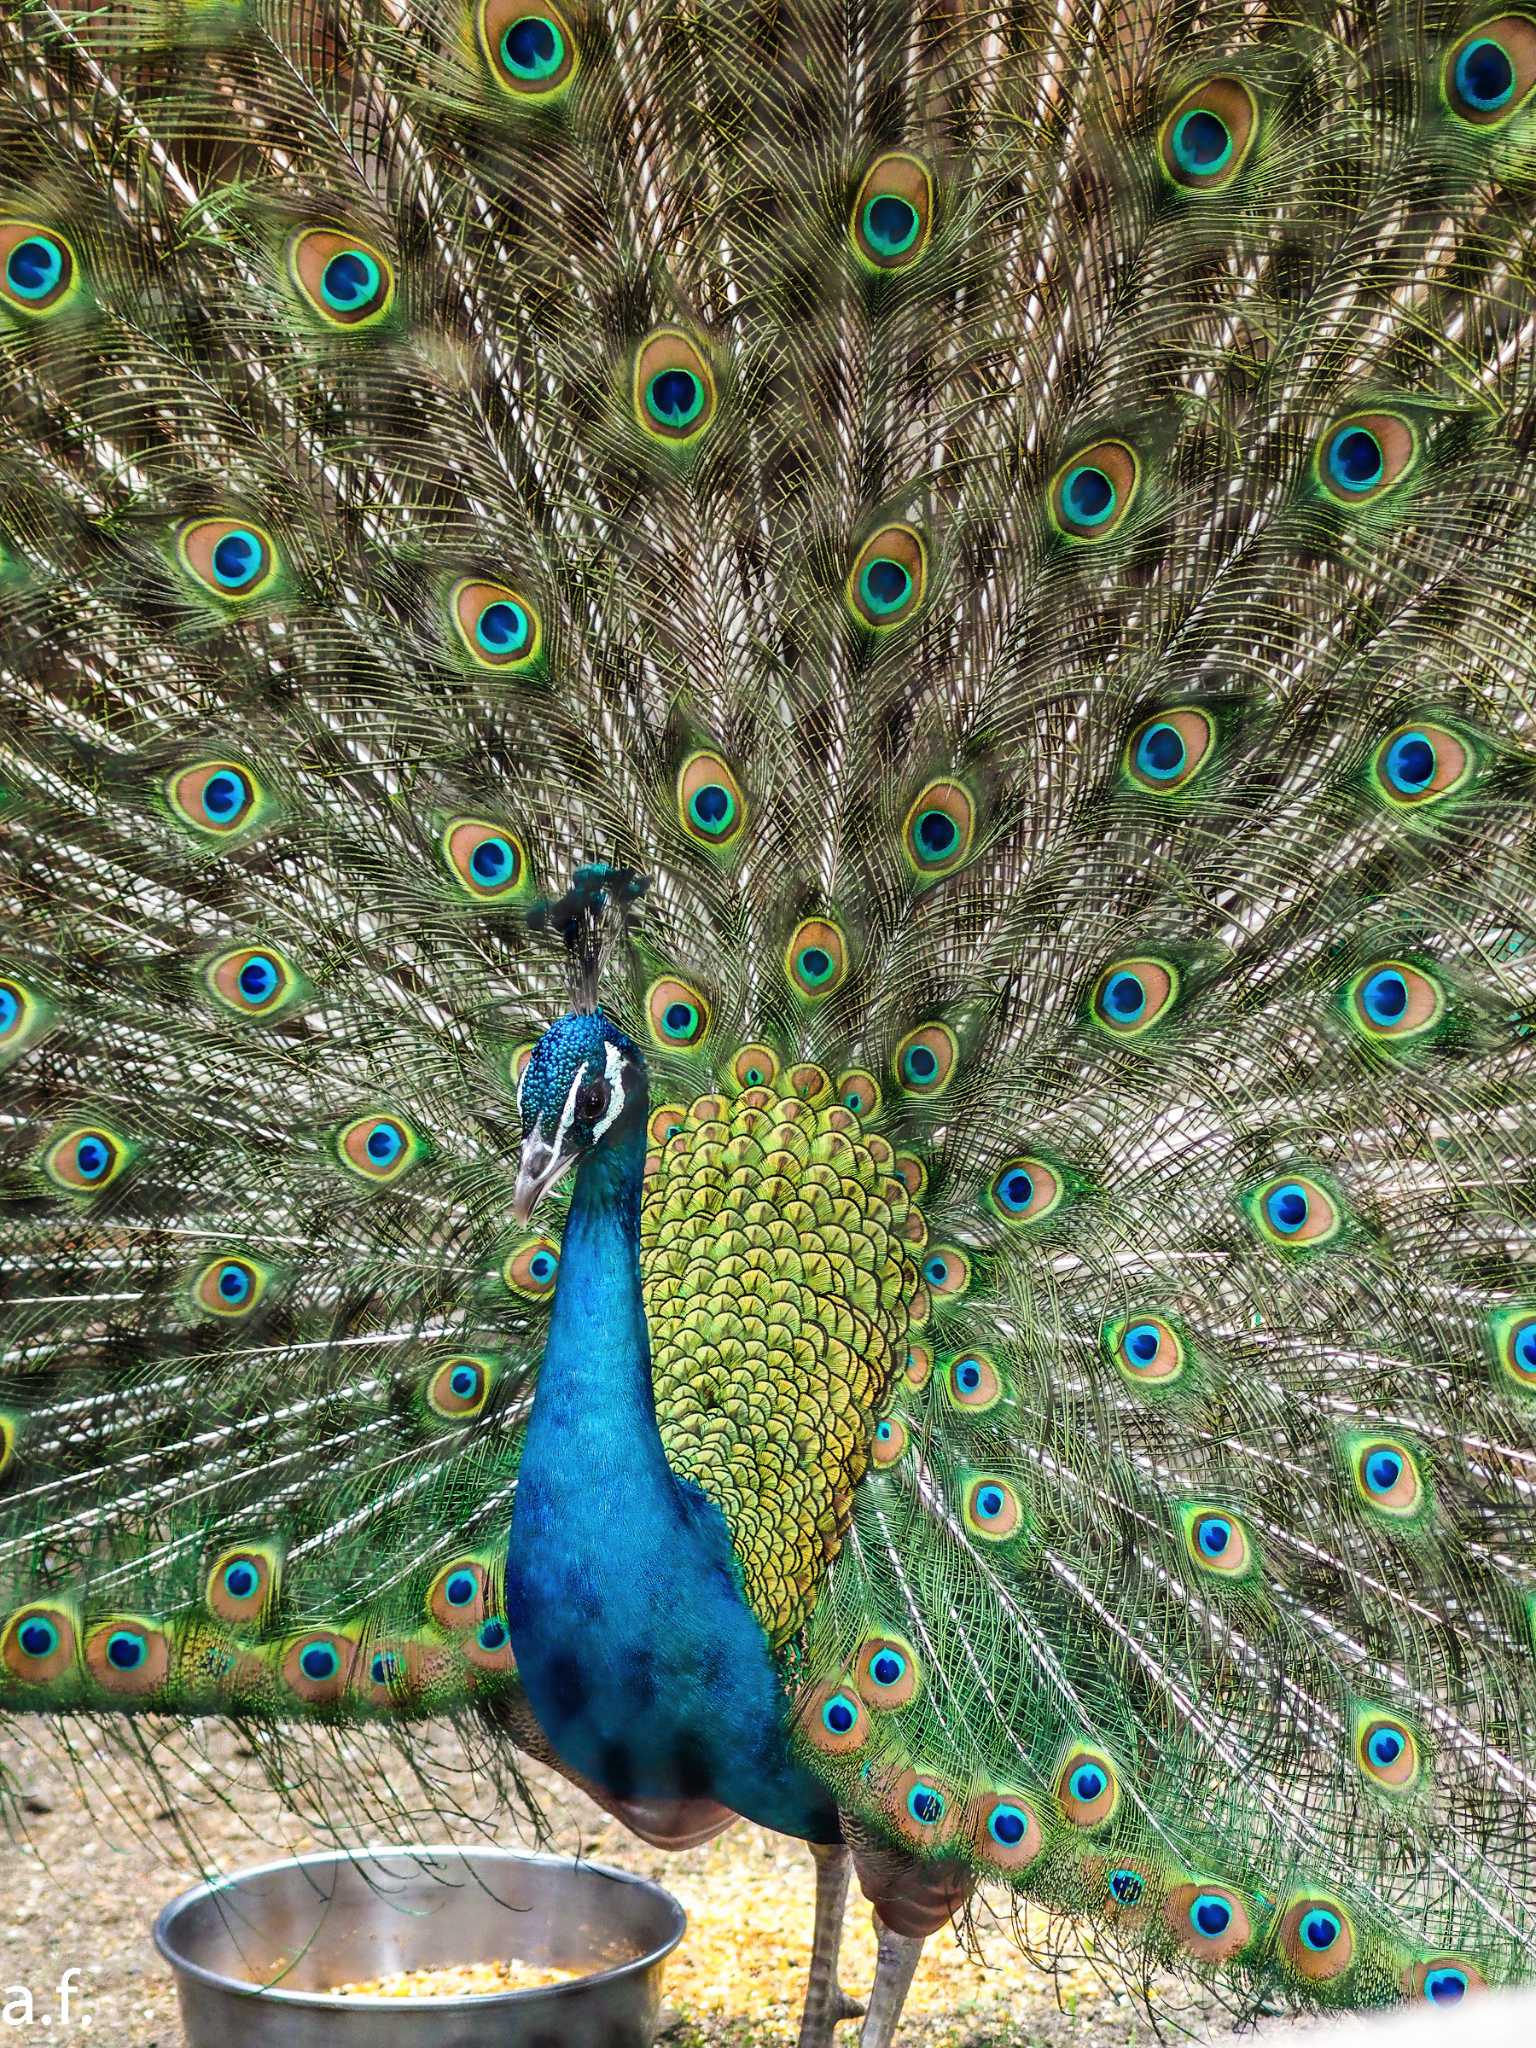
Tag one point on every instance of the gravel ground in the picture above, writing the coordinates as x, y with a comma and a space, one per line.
98, 1853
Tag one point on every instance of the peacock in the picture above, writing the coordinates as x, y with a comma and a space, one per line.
766, 1000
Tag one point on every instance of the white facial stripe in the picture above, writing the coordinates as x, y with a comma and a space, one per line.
615, 1069
568, 1114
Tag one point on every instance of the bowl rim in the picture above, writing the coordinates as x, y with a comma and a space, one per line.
242, 1987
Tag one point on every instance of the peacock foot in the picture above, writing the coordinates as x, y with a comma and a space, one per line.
827, 2005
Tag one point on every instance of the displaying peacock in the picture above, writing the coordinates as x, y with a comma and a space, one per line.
880, 652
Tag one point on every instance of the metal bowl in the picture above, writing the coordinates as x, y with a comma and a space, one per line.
254, 1953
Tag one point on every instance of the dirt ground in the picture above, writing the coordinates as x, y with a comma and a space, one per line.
99, 1852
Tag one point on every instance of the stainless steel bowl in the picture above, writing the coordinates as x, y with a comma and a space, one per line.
253, 1953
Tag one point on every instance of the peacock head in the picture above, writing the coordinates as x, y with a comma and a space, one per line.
583, 1085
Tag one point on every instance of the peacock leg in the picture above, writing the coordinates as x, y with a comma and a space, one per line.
894, 1964
825, 2000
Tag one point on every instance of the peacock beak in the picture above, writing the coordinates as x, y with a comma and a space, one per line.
538, 1170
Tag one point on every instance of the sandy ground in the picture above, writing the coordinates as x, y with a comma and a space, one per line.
99, 1852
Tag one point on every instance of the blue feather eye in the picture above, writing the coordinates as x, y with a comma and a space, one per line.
252, 981
1364, 455
1208, 1920
1087, 1790
1294, 1212
1387, 1751
991, 1509
487, 860
710, 804
1027, 1190
1092, 492
37, 1643
1130, 996
1513, 1331
816, 958
1127, 1887
1489, 73
888, 579
1395, 1000
972, 1381
378, 1148
343, 279
460, 1387
242, 1583
678, 1014
497, 627
458, 1598
37, 268
531, 52
1443, 1980
232, 559
1317, 1939
315, 1667
1166, 751
86, 1159
940, 826
1205, 140
924, 1061
1217, 1541
1420, 763
1387, 1476
531, 1270
892, 214
674, 394
926, 1804
886, 1672
229, 1286
1146, 1349
946, 1272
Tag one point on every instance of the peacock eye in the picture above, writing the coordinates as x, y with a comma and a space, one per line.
886, 583
531, 51
1489, 73
592, 1101
37, 268
1206, 138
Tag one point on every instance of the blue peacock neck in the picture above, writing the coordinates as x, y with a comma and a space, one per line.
641, 1659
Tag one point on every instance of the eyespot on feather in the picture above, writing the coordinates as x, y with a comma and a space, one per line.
242, 1584
940, 828
1294, 1212
889, 1442
1419, 763
918, 1367
232, 559
347, 282
755, 1066
946, 1271
832, 1718
214, 797
128, 1655
1512, 1331
710, 804
317, 1666
1489, 72
86, 1159
886, 1672
674, 394
378, 1147
816, 958
252, 981
1387, 1750
1005, 1829
1087, 1788
1317, 1938
39, 272
460, 1387
37, 1644
923, 1809
531, 53
1167, 751
892, 214
859, 1092
912, 1174
22, 1016
1093, 490
924, 1061
1025, 1190
1133, 994
530, 1269
1394, 1000
889, 578
229, 1286
991, 1509
459, 1596
1146, 1349
1217, 1542
1363, 455
1443, 1980
1387, 1476
678, 1014
1205, 140
497, 627
1208, 1921
10, 1431
972, 1381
